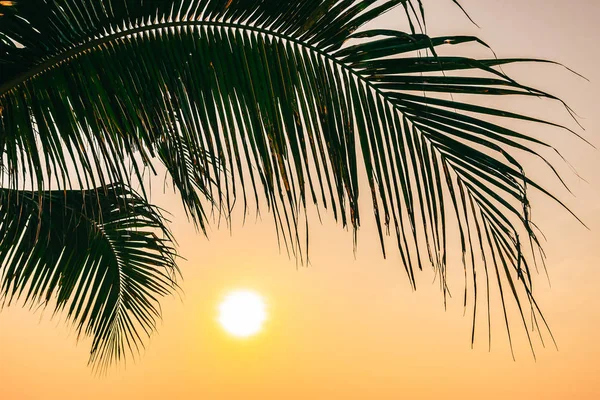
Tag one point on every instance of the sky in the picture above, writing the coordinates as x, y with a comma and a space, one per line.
349, 326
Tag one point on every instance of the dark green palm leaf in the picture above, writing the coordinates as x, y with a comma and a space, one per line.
104, 255
279, 98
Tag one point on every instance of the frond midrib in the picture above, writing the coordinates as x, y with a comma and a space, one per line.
95, 226
83, 48
116, 261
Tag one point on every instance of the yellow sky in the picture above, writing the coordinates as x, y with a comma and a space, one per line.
350, 327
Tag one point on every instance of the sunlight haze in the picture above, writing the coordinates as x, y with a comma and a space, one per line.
348, 325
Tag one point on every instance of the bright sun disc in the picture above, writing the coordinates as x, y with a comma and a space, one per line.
242, 313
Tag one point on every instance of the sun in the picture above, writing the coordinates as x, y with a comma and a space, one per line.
242, 313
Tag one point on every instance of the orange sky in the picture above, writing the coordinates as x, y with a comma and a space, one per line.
350, 327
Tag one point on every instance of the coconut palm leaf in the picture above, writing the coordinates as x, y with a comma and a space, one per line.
97, 253
284, 100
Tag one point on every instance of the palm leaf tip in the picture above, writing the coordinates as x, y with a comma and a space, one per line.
286, 100
104, 255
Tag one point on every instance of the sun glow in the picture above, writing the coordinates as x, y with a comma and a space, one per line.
242, 313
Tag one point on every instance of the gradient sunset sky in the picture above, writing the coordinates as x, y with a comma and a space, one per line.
349, 326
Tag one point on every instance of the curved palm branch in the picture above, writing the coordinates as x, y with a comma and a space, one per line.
285, 98
97, 252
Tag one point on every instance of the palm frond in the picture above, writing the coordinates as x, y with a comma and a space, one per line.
104, 255
283, 99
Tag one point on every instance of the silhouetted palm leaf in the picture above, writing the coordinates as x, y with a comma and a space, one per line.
282, 97
97, 253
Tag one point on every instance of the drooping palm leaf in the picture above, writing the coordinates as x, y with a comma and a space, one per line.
285, 98
104, 255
